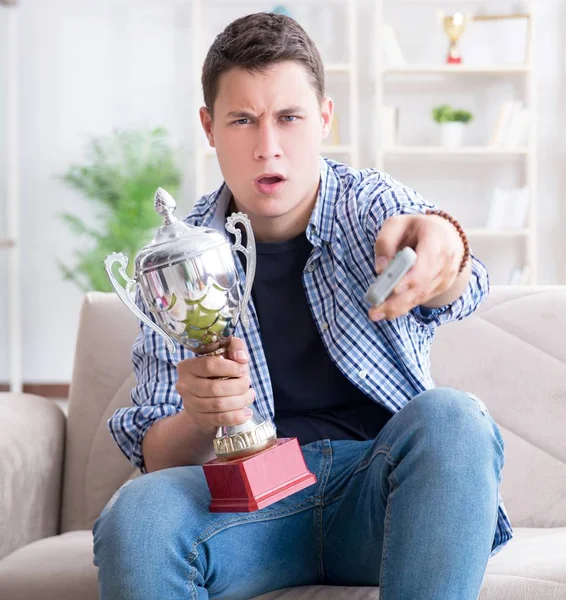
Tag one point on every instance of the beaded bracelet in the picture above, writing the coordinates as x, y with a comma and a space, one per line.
463, 236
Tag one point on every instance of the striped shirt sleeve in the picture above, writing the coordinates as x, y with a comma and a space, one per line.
476, 292
154, 396
386, 197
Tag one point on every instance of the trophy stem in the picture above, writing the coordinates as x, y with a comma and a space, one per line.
247, 439
454, 56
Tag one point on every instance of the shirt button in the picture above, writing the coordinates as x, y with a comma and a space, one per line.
311, 268
363, 374
325, 327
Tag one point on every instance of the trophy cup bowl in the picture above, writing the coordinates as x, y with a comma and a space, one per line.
188, 280
454, 26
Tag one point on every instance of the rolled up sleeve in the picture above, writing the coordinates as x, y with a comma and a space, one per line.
154, 397
476, 292
382, 197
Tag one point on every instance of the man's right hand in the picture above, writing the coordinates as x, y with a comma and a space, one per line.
211, 402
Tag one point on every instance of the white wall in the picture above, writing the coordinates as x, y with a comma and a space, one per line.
87, 67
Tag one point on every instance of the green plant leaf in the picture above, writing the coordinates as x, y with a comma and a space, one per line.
444, 113
119, 177
462, 116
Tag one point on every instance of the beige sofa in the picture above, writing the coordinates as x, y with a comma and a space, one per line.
56, 474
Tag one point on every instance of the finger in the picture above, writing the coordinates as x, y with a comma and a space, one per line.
400, 303
210, 366
214, 388
237, 350
224, 419
222, 404
390, 240
422, 279
394, 307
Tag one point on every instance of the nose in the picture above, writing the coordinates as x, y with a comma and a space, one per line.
267, 144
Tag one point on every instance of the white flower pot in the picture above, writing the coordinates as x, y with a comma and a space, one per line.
452, 134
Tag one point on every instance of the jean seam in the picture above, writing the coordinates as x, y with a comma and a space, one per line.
192, 576
257, 518
318, 512
386, 532
384, 449
211, 532
325, 473
381, 449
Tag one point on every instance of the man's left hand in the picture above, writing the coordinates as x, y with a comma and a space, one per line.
439, 254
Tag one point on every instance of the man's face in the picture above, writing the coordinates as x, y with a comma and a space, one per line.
267, 130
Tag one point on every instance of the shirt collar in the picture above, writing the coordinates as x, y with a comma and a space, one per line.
321, 221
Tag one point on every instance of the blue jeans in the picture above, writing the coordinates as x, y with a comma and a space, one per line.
413, 511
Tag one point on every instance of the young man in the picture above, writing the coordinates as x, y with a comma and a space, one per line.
407, 474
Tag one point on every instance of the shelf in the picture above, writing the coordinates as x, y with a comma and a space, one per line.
456, 69
451, 152
497, 233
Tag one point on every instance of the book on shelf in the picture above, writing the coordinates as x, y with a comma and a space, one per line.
519, 275
508, 208
392, 54
512, 126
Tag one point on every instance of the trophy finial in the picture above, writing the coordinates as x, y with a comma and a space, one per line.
165, 205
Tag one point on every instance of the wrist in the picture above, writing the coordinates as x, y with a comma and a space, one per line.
194, 428
457, 228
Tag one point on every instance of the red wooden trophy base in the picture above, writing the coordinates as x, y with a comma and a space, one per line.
253, 482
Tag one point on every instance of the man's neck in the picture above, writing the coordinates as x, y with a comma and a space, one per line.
283, 228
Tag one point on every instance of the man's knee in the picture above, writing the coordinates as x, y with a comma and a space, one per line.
455, 423
157, 504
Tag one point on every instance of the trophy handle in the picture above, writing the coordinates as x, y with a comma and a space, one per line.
249, 251
126, 295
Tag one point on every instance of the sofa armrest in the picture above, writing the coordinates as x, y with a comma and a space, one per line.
32, 437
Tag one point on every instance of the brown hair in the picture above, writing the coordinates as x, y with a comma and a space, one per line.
255, 43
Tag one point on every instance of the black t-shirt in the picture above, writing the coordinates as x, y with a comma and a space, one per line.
313, 399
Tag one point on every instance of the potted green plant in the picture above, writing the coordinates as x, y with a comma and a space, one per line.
452, 124
120, 177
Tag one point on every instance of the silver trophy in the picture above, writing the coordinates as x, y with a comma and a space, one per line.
188, 280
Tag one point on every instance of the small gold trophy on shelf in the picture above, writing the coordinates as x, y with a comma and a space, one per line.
454, 26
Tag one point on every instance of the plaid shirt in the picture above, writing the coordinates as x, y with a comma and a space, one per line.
389, 360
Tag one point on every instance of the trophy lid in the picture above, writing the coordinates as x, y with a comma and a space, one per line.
175, 240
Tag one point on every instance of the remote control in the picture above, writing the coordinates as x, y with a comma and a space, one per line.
385, 283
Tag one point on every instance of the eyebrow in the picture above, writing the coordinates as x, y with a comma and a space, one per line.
242, 114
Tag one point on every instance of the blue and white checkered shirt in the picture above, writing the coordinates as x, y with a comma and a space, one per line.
388, 361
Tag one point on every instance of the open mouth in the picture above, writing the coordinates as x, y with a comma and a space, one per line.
269, 184
269, 180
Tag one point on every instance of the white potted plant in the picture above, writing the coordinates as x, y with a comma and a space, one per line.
452, 124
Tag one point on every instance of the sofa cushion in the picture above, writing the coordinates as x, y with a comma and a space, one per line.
102, 379
510, 353
531, 567
54, 568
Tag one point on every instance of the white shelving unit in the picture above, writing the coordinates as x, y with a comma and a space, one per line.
526, 158
350, 150
9, 190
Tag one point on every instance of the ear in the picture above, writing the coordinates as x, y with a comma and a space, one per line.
326, 112
206, 122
